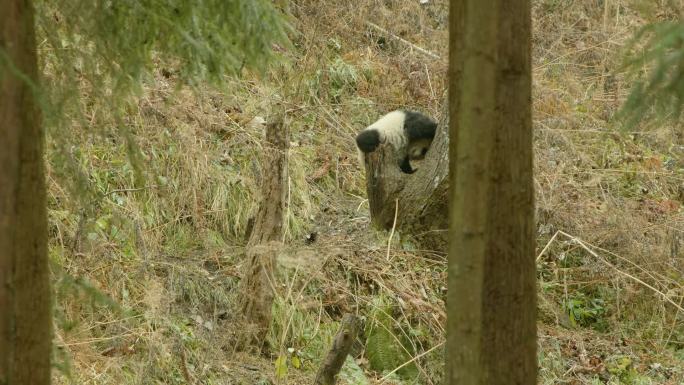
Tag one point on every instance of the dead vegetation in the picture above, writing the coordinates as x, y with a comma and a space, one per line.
147, 275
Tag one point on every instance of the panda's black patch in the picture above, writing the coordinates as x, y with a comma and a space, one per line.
368, 140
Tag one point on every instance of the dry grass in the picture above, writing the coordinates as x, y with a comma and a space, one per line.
169, 253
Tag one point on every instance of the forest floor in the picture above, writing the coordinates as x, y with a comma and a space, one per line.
145, 275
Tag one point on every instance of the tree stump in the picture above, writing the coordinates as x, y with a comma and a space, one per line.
256, 286
342, 344
422, 197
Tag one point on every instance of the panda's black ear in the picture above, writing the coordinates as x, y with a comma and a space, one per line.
368, 140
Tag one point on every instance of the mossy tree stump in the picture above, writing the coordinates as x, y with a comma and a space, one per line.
265, 241
419, 199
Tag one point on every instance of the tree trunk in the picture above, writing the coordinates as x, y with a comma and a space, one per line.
492, 296
25, 313
256, 287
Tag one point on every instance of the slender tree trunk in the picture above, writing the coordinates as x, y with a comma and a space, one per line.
25, 316
491, 299
256, 287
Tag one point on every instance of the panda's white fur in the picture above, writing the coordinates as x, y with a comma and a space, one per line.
391, 130
410, 134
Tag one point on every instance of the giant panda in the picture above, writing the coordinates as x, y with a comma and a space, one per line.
409, 132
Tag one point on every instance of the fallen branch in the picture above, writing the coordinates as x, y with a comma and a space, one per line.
404, 41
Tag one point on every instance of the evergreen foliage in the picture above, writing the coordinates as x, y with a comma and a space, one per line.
115, 40
658, 68
96, 56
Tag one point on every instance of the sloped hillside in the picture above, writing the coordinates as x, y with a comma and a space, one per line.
146, 274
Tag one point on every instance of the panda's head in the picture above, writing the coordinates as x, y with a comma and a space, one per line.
417, 149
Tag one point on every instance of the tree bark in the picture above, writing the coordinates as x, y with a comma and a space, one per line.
256, 287
333, 362
492, 296
25, 313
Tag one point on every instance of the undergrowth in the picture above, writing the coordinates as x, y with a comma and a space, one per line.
146, 273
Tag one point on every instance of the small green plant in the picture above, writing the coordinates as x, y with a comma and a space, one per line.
586, 311
570, 259
623, 368
385, 347
343, 78
352, 373
285, 360
281, 367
